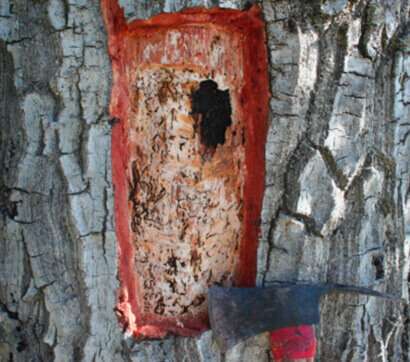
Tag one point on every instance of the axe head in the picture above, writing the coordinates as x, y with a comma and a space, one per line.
239, 313
236, 314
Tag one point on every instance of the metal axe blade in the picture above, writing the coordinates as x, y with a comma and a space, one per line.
239, 313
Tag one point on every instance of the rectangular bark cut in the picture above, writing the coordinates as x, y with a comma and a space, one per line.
190, 91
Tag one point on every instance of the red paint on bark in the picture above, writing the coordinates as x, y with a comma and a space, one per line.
146, 45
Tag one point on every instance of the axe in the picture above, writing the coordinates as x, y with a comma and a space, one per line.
236, 314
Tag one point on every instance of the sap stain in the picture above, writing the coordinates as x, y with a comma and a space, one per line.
214, 107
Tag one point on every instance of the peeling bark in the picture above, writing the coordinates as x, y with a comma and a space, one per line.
337, 187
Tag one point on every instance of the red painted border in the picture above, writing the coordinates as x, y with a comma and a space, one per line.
254, 98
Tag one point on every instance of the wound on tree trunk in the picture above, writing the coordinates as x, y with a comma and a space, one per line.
191, 94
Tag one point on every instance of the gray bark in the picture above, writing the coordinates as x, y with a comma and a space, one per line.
337, 199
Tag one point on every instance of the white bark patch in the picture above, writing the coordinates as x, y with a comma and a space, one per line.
232, 4
332, 7
314, 201
295, 255
73, 172
38, 114
57, 14
338, 211
308, 60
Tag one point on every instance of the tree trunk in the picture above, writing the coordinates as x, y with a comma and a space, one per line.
337, 190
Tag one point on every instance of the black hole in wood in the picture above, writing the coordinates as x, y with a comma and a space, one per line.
378, 262
215, 109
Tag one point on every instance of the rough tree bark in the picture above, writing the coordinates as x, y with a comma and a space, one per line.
337, 198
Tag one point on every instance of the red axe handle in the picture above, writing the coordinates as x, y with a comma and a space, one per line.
294, 344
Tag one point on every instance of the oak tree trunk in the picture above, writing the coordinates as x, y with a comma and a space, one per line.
337, 196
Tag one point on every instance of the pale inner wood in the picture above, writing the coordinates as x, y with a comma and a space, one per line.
186, 202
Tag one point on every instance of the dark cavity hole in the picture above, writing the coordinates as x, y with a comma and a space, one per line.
214, 107
378, 262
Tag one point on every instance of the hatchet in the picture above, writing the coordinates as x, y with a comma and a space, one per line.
239, 313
